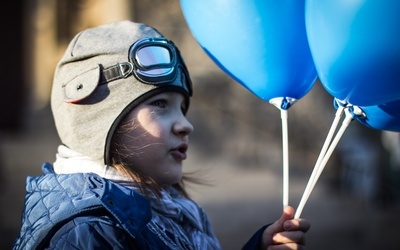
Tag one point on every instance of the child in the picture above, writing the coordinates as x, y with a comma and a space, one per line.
119, 99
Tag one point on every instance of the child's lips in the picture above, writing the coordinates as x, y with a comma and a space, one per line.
179, 153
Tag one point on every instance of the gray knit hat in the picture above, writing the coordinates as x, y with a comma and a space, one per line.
96, 84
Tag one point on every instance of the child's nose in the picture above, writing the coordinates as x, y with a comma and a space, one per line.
182, 126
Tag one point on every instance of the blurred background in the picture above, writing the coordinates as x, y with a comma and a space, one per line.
236, 149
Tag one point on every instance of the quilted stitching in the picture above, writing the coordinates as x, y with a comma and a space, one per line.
53, 199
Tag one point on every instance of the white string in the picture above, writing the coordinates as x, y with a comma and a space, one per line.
324, 155
285, 147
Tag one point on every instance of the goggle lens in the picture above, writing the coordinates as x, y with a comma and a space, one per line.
154, 60
152, 55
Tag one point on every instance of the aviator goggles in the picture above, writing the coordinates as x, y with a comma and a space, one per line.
154, 61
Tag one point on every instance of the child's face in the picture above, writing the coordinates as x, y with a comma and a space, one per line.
156, 137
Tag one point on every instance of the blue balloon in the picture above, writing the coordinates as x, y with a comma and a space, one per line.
356, 48
261, 44
382, 117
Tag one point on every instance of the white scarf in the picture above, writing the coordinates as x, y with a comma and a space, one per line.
178, 221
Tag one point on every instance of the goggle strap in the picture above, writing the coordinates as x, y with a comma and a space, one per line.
118, 71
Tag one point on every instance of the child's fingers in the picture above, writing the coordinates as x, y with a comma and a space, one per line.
298, 224
289, 246
289, 237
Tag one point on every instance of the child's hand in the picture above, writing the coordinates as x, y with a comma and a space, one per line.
285, 233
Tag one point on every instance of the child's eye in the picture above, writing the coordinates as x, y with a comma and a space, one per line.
159, 103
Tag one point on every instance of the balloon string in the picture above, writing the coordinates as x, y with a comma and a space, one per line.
285, 147
324, 155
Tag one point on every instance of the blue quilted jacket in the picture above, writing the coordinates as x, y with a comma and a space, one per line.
61, 210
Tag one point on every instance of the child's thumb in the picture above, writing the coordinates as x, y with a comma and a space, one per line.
278, 226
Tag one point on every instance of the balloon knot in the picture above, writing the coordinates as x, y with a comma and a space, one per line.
283, 103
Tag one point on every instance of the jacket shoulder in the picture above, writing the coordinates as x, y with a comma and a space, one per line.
93, 232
